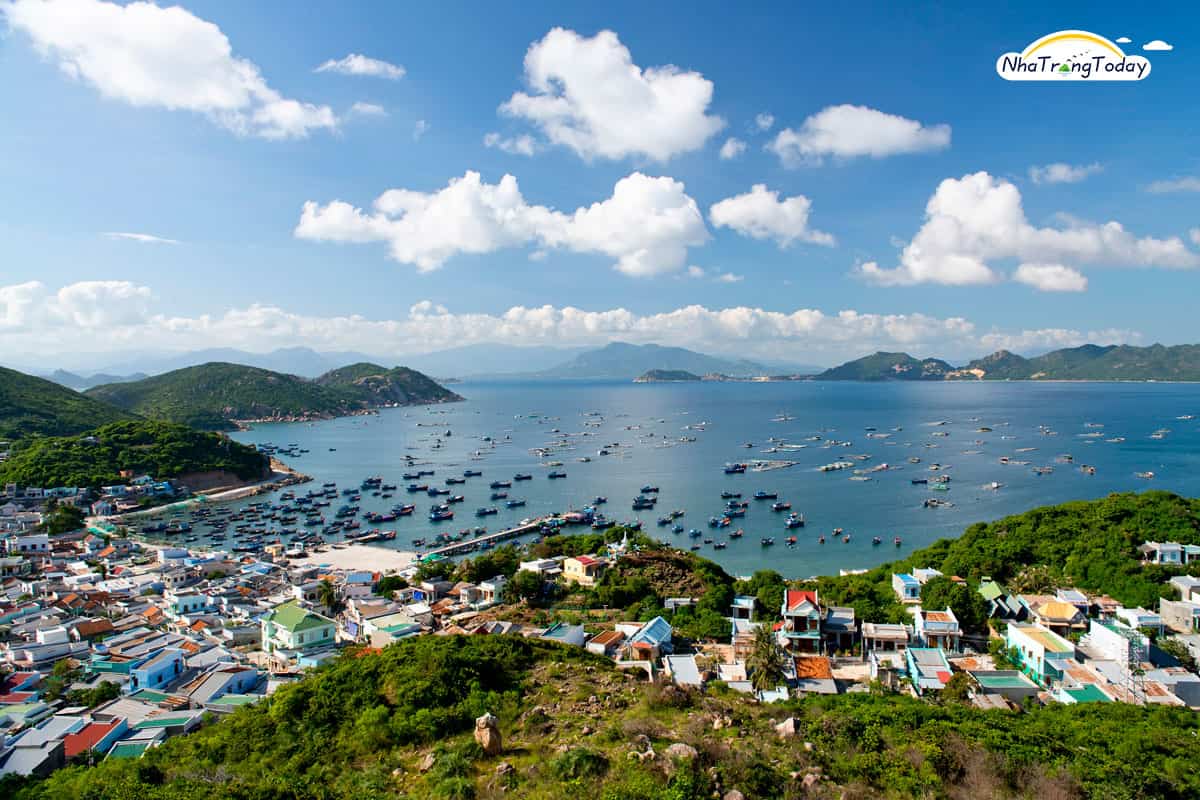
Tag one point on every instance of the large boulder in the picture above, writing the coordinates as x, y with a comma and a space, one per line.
487, 733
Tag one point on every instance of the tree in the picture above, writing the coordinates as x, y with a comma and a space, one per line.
389, 584
525, 586
957, 689
768, 587
329, 597
967, 604
766, 661
61, 518
62, 675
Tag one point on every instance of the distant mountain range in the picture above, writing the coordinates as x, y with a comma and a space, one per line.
1086, 363
214, 396
477, 361
625, 361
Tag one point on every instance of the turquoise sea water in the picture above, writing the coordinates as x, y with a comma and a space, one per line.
647, 421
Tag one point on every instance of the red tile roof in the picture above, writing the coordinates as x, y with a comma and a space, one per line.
796, 598
87, 738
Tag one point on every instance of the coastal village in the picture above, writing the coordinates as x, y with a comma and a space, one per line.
111, 644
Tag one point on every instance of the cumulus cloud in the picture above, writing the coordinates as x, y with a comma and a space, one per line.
1185, 184
523, 145
760, 214
1051, 278
1063, 173
35, 319
647, 224
1123, 40
732, 148
586, 94
977, 219
1157, 45
368, 110
764, 121
729, 277
720, 277
141, 238
848, 131
1194, 234
153, 57
356, 64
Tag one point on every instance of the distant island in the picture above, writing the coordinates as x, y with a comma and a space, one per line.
666, 376
220, 396
1086, 363
620, 360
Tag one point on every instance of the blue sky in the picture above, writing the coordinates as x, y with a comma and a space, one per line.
94, 146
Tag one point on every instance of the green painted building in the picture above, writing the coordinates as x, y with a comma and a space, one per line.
294, 628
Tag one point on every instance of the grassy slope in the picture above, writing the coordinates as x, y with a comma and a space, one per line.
32, 406
361, 728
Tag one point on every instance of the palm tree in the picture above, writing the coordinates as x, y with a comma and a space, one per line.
328, 595
766, 660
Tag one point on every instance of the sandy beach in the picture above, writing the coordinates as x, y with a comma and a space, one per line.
360, 557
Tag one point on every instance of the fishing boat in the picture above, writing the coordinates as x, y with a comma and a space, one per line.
649, 489
794, 520
676, 529
515, 503
876, 541
739, 533
791, 540
471, 473
483, 512
599, 501
767, 541
664, 521
735, 469
919, 481
440, 513
730, 495
897, 541
720, 545
499, 495
500, 485
1144, 475
782, 505
555, 475
522, 476
761, 495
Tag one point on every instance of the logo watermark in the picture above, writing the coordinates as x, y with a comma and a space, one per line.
1072, 56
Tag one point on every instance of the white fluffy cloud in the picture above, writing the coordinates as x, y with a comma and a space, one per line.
85, 306
1063, 173
140, 238
148, 56
1051, 278
37, 320
1194, 235
647, 224
586, 94
1157, 45
732, 148
760, 214
368, 110
1185, 184
522, 145
356, 64
764, 121
977, 219
848, 131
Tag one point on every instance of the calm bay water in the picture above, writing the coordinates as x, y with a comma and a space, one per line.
647, 421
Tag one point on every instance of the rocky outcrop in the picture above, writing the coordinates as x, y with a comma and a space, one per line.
487, 734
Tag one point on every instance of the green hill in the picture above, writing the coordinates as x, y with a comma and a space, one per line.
32, 406
375, 385
398, 724
212, 396
888, 367
666, 376
1088, 362
161, 449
